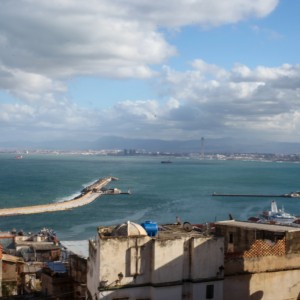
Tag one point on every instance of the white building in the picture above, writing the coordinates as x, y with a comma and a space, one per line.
178, 263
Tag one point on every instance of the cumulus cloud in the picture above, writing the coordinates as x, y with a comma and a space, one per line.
107, 38
262, 100
210, 101
179, 13
259, 101
31, 123
29, 87
75, 37
45, 43
205, 101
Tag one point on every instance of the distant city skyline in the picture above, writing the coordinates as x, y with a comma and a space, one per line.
115, 145
171, 71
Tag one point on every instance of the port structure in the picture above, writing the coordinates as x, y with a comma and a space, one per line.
88, 195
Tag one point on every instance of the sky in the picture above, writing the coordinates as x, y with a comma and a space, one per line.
169, 70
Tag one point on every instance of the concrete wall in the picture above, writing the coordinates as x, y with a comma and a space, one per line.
280, 285
138, 293
1, 273
167, 261
262, 264
93, 268
9, 271
199, 290
148, 292
78, 273
195, 291
111, 256
293, 242
207, 258
175, 268
78, 268
130, 256
59, 287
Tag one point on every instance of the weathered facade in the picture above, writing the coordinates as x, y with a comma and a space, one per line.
1, 255
21, 259
40, 247
10, 274
7, 245
7, 241
38, 251
75, 254
175, 264
78, 274
30, 278
260, 259
56, 282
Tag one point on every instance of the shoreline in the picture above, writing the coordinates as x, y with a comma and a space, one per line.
88, 195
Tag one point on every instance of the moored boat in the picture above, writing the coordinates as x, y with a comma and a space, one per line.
275, 216
166, 162
293, 195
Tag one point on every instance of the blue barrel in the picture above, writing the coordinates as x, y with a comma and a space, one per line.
150, 227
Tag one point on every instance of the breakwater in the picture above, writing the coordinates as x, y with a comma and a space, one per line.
88, 195
255, 195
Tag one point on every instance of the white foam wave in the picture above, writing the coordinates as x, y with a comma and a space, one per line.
72, 196
89, 183
67, 198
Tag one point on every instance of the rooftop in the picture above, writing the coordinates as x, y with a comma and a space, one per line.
37, 245
11, 258
129, 229
261, 226
80, 248
166, 231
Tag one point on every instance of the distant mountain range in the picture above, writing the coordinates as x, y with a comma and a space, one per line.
224, 145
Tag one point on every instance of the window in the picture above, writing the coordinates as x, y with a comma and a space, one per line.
210, 291
230, 238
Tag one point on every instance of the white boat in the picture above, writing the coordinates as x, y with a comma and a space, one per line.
278, 216
293, 195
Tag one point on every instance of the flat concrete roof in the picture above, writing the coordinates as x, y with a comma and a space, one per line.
80, 248
261, 226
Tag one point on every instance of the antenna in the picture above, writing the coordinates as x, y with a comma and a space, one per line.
202, 148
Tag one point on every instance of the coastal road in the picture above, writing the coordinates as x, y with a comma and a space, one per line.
88, 195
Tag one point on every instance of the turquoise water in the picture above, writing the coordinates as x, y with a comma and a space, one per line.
160, 192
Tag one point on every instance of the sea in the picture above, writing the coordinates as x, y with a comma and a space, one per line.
159, 192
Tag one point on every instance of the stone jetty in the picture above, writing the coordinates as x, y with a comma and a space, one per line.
88, 195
